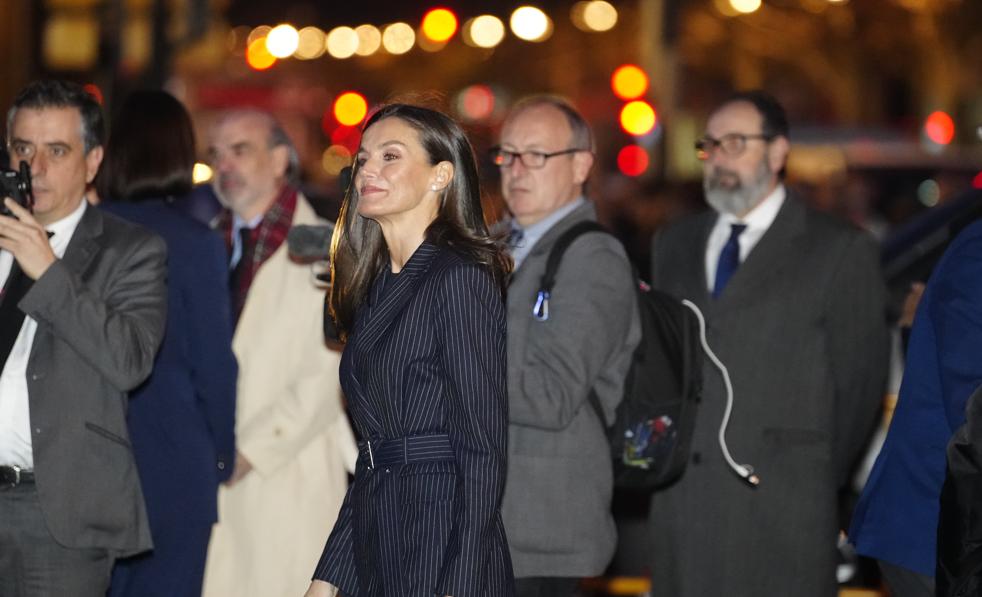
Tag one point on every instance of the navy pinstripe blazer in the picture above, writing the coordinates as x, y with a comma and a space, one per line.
426, 356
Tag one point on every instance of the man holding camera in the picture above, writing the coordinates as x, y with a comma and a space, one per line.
82, 313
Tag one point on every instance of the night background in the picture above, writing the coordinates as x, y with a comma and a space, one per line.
884, 96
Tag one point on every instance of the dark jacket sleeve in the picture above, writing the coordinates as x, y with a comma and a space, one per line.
959, 571
337, 561
858, 346
213, 367
470, 323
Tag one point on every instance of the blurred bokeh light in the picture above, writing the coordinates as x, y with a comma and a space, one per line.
335, 159
629, 82
369, 40
258, 57
342, 42
439, 24
530, 23
638, 118
311, 43
350, 108
599, 16
484, 31
398, 38
632, 160
939, 128
282, 41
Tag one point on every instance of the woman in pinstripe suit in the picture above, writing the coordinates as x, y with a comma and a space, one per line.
417, 294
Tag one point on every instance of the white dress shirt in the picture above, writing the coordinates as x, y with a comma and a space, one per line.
757, 221
15, 419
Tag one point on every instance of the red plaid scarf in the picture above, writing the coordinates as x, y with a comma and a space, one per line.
266, 238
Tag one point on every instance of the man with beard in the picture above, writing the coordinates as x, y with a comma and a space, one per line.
795, 308
293, 439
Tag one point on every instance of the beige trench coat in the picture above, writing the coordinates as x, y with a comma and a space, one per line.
291, 426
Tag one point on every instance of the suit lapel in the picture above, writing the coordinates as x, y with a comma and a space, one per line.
386, 303
768, 259
79, 254
694, 276
83, 246
383, 307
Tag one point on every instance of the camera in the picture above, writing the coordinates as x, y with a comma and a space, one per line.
16, 185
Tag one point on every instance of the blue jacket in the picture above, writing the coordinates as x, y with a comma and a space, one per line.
182, 419
896, 518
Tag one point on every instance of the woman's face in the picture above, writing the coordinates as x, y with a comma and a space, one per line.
395, 179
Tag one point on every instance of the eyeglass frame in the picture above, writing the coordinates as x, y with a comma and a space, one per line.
703, 153
497, 150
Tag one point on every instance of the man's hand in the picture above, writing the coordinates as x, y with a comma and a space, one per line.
241, 469
27, 240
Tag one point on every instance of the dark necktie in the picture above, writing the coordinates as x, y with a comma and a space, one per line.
729, 259
236, 282
11, 317
515, 238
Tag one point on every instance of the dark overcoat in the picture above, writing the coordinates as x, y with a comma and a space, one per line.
426, 357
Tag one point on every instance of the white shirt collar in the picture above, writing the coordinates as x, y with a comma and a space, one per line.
64, 229
762, 215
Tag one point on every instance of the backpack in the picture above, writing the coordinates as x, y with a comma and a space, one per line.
652, 432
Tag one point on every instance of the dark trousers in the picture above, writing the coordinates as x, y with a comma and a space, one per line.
906, 583
33, 564
547, 587
175, 567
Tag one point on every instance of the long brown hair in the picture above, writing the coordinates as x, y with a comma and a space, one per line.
358, 251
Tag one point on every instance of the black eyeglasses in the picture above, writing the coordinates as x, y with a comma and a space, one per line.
731, 144
530, 159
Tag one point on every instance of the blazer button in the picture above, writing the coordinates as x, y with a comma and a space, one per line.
221, 466
696, 458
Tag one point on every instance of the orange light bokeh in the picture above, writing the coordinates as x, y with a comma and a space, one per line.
350, 108
257, 56
629, 82
439, 24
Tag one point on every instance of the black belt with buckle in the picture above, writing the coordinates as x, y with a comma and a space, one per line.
12, 476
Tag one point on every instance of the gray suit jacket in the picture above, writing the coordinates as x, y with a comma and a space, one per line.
801, 327
100, 313
557, 495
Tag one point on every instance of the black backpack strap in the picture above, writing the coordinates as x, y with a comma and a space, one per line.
548, 280
541, 309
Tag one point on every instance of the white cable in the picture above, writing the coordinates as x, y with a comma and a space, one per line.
745, 471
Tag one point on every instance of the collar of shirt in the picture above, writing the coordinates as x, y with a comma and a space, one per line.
237, 225
64, 229
757, 221
534, 232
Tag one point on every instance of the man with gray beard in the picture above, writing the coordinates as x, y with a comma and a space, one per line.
795, 308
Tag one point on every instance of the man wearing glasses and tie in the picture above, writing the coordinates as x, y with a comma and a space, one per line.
556, 506
795, 305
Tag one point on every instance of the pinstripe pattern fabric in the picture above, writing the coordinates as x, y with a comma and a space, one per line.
426, 357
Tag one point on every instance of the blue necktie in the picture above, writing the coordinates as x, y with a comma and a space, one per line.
729, 259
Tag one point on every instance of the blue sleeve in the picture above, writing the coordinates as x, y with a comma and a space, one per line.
213, 367
956, 314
